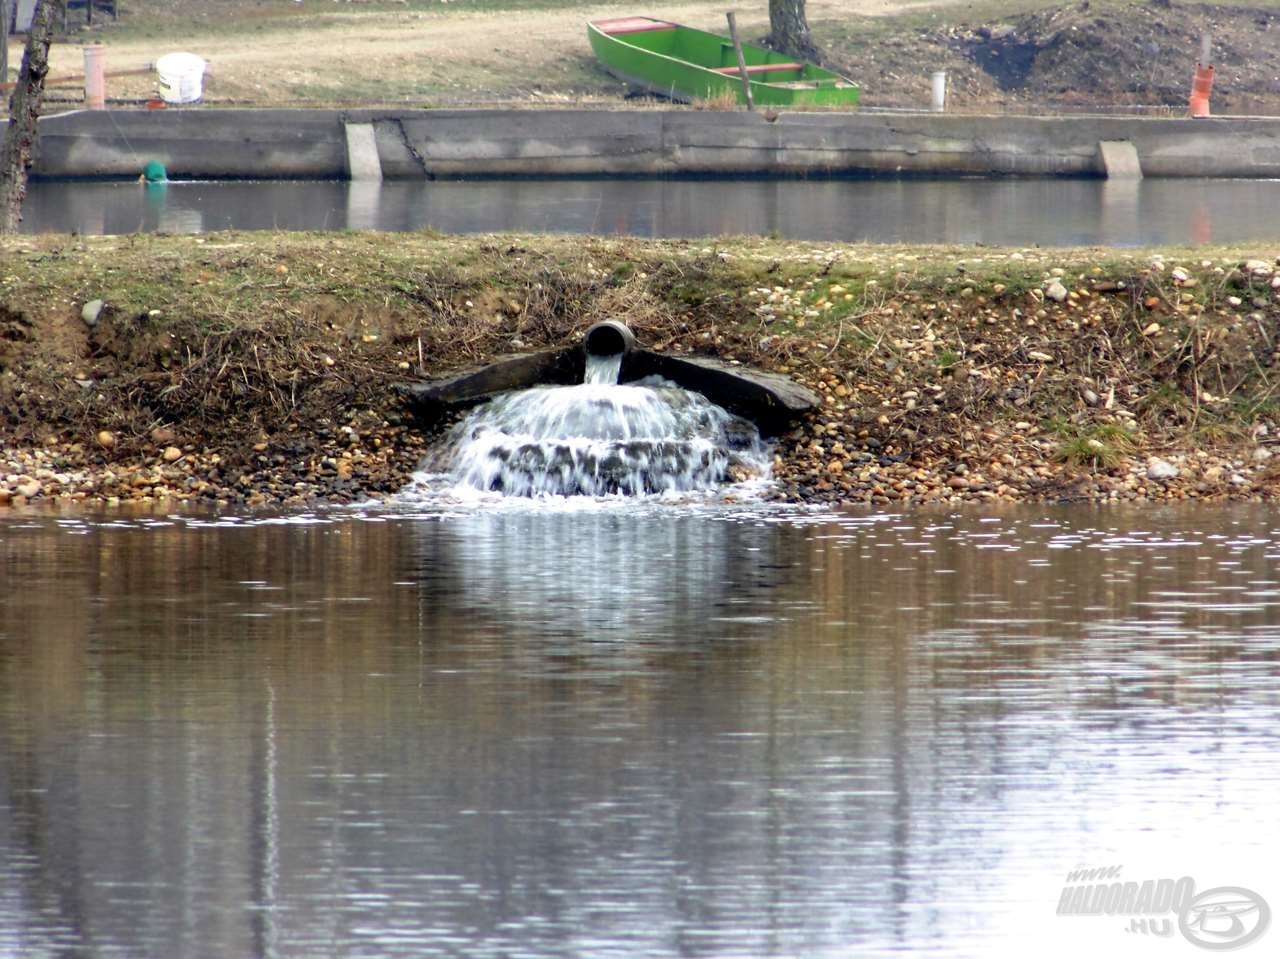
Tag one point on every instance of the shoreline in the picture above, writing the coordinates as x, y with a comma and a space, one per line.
260, 369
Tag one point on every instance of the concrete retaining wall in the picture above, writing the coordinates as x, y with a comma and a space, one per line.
200, 143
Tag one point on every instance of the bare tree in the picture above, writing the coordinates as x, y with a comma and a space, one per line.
789, 30
24, 110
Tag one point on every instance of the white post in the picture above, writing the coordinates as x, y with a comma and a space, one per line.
939, 91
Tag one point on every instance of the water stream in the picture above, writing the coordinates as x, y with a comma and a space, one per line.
601, 438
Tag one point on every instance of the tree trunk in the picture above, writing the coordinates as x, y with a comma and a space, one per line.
789, 31
6, 11
20, 137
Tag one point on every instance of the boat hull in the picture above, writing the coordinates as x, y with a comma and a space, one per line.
689, 65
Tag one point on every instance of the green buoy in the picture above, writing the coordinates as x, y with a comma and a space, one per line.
154, 172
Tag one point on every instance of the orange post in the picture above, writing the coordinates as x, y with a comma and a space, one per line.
95, 75
1201, 88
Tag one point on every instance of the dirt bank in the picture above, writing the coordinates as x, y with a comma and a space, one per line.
1013, 55
260, 368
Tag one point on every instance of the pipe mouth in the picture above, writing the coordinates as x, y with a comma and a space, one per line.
609, 338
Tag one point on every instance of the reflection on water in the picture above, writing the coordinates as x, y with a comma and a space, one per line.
620, 732
1018, 212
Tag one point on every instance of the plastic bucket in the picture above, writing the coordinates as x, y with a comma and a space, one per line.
181, 77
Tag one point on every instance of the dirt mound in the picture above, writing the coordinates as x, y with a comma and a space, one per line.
1140, 54
1088, 53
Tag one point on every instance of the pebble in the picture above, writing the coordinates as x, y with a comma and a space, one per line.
1056, 291
1159, 469
91, 312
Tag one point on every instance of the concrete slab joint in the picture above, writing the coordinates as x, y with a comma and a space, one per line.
362, 152
1119, 160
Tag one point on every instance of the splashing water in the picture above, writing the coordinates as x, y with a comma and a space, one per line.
602, 438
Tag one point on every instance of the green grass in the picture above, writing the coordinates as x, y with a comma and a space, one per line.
1095, 445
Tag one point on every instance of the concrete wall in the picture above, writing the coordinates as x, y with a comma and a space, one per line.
194, 144
206, 143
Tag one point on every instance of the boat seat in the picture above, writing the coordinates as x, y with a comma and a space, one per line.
762, 68
631, 25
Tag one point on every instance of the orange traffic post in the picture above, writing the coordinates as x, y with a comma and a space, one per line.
1201, 88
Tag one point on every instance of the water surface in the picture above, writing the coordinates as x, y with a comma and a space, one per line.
645, 731
1010, 212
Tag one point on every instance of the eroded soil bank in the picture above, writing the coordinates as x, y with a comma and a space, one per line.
254, 368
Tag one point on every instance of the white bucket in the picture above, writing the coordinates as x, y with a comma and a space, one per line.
181, 75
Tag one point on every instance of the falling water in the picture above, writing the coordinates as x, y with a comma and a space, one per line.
602, 437
603, 370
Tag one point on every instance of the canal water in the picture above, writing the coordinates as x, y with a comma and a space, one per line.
618, 730
1013, 212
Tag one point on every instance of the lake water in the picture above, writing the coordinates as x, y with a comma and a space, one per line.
643, 730
1013, 212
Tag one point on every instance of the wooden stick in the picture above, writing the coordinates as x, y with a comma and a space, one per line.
742, 61
79, 78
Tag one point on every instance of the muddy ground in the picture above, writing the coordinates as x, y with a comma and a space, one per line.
1014, 55
262, 368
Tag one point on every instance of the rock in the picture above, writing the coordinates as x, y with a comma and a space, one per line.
1258, 267
106, 439
1158, 469
1090, 397
1056, 292
171, 454
1262, 454
163, 436
91, 312
29, 489
1234, 301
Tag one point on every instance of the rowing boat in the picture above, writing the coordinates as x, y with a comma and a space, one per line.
686, 64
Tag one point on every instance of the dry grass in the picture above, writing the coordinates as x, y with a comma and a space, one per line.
722, 101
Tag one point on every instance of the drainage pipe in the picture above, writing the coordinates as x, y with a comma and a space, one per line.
609, 338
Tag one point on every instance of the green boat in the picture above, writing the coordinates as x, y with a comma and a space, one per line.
687, 64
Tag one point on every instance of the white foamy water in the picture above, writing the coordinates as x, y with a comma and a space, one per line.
600, 438
603, 370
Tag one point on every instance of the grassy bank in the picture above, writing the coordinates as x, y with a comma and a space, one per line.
253, 367
1011, 54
